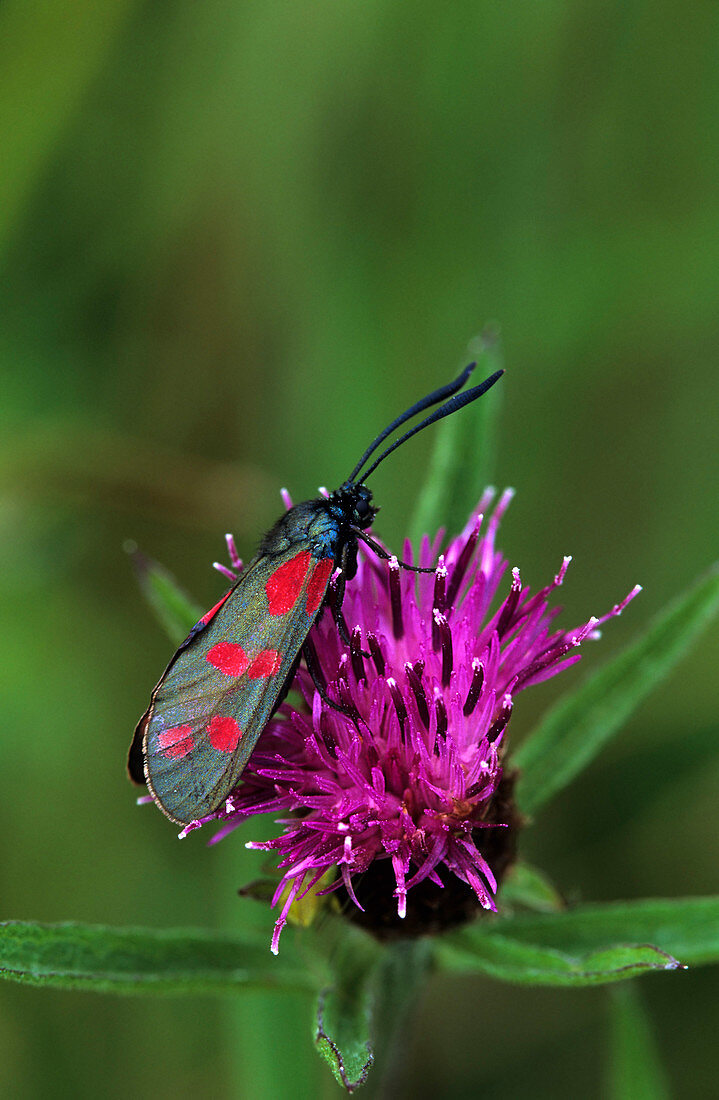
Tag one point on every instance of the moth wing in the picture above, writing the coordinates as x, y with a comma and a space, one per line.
224, 683
135, 757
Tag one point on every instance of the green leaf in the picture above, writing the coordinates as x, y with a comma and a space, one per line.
175, 611
590, 944
501, 956
463, 457
344, 1010
141, 961
530, 888
650, 775
635, 1069
361, 1015
580, 724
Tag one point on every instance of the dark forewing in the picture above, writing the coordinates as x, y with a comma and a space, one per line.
223, 684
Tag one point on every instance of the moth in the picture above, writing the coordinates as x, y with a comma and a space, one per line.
233, 670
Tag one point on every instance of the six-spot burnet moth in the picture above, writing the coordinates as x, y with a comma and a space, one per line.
234, 668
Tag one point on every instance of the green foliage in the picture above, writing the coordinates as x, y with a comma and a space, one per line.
344, 1011
141, 960
529, 888
175, 611
590, 944
635, 1067
231, 248
587, 945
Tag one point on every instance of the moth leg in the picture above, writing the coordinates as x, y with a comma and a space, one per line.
382, 553
349, 559
317, 677
335, 597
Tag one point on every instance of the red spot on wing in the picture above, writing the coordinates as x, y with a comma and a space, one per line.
224, 733
285, 584
213, 610
266, 663
318, 584
228, 657
176, 742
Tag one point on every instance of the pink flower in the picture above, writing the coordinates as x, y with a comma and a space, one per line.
409, 805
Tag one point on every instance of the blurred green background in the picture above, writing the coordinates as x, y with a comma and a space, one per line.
235, 239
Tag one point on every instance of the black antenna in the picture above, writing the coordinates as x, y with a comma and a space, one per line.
426, 403
458, 401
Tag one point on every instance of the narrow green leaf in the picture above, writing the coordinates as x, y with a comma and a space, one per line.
590, 944
175, 611
141, 960
344, 1010
635, 1069
502, 957
528, 887
650, 776
462, 461
580, 724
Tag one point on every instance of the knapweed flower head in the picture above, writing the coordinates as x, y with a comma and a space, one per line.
402, 795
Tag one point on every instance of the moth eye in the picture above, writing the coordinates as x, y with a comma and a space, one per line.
363, 506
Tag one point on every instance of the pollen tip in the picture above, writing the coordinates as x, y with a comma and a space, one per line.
559, 578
